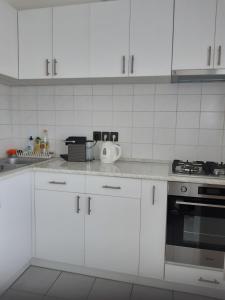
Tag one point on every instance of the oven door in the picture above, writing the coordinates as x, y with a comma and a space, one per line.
196, 231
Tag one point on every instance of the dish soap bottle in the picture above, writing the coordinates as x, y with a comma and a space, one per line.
37, 148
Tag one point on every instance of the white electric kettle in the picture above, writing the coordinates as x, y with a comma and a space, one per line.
110, 152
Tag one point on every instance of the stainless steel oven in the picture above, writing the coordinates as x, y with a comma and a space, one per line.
196, 224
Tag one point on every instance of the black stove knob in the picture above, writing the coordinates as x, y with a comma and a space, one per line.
183, 189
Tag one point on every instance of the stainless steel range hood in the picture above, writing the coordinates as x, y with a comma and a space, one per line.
201, 75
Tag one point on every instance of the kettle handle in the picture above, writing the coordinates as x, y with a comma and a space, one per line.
119, 152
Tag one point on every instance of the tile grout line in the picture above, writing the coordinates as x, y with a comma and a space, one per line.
46, 294
92, 287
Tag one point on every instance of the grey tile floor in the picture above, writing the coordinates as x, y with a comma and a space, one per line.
39, 283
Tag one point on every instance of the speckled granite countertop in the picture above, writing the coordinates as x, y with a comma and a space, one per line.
151, 170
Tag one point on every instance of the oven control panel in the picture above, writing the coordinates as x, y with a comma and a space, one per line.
196, 190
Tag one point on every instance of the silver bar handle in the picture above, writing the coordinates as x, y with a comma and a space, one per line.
89, 206
153, 195
132, 64
55, 67
199, 204
209, 281
47, 61
78, 204
111, 187
58, 182
123, 64
209, 56
219, 55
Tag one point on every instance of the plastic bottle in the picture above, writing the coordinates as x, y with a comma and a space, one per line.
37, 148
30, 145
45, 142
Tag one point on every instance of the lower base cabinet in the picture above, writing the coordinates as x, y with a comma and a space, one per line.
153, 229
59, 227
15, 227
112, 234
95, 231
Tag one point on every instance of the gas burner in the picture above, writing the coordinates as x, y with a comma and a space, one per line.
190, 168
217, 169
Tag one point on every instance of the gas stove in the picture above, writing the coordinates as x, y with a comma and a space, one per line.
200, 168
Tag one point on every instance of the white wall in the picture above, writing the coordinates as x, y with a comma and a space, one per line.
163, 121
5, 119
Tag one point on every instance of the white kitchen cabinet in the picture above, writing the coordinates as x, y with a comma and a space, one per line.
151, 37
194, 31
153, 228
59, 227
9, 40
112, 234
15, 227
71, 41
219, 59
35, 43
109, 38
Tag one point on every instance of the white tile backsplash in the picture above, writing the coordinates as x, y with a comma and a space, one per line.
162, 121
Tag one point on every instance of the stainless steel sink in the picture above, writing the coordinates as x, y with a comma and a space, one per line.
13, 164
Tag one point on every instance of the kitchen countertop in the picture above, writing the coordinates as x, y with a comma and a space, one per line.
152, 170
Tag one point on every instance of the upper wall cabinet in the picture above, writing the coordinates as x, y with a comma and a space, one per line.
109, 38
219, 61
9, 41
151, 37
71, 41
35, 43
194, 32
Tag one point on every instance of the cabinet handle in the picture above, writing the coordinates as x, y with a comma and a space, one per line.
111, 187
47, 67
123, 64
89, 206
57, 182
219, 55
209, 56
78, 204
132, 64
153, 195
209, 281
55, 67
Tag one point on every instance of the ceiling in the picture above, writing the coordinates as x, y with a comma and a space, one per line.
26, 4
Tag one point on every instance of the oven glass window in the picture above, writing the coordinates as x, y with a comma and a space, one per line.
194, 225
204, 230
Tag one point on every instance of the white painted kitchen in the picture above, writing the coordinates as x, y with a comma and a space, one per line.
112, 149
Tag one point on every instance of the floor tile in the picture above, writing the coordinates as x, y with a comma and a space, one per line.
16, 295
148, 293
185, 296
36, 280
72, 286
110, 290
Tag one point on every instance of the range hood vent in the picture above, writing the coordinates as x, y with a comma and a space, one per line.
200, 75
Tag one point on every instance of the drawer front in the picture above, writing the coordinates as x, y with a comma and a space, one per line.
114, 186
60, 182
195, 276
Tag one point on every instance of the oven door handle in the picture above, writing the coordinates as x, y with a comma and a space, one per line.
199, 204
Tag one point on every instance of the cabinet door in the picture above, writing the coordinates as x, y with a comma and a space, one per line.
35, 43
153, 229
9, 41
151, 37
15, 227
194, 29
219, 62
109, 38
59, 227
71, 40
112, 234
